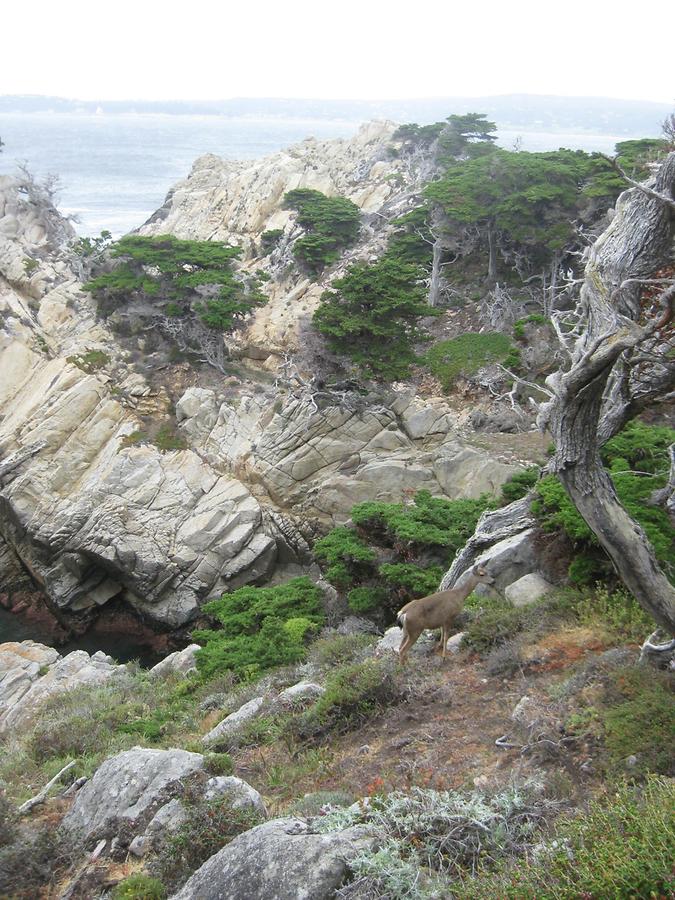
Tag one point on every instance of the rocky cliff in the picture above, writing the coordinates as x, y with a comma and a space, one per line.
89, 513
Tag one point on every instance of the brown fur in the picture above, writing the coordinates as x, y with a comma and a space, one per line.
438, 610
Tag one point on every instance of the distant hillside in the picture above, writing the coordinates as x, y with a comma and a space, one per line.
511, 111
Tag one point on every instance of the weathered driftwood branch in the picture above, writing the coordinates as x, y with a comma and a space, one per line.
42, 795
620, 364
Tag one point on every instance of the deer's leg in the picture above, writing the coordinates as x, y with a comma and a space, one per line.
409, 638
444, 639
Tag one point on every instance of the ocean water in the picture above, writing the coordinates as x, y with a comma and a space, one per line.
115, 170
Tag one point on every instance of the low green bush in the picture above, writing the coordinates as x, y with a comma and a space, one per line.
347, 556
426, 839
466, 354
331, 223
270, 239
638, 719
365, 599
622, 846
353, 695
519, 485
218, 763
139, 887
638, 461
338, 650
261, 628
533, 319
492, 622
91, 361
209, 826
428, 523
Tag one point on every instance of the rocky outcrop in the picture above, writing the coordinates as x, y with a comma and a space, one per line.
182, 662
236, 201
318, 456
283, 859
89, 515
31, 674
134, 798
92, 511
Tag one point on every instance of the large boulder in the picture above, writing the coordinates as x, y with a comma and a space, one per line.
182, 662
511, 558
528, 589
281, 859
126, 792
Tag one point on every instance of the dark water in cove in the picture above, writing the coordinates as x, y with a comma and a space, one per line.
115, 170
122, 648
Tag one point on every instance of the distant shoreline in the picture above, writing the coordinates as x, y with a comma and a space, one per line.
525, 112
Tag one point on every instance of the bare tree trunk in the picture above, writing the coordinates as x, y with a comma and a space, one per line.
492, 252
435, 283
619, 366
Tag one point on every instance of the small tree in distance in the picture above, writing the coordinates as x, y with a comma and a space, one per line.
370, 315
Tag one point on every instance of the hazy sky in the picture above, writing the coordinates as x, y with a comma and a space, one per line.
379, 49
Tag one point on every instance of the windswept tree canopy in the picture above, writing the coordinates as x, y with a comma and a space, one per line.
183, 278
620, 344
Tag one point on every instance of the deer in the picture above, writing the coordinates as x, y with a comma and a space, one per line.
437, 610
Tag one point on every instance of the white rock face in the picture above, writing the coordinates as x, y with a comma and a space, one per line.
317, 463
528, 589
127, 790
31, 674
235, 202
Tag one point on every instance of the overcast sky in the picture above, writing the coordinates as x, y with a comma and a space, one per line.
351, 49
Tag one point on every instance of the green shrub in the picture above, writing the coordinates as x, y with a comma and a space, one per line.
430, 522
210, 825
347, 556
520, 484
339, 649
90, 361
617, 611
331, 223
519, 325
254, 636
218, 763
639, 720
370, 315
410, 580
167, 439
365, 599
465, 354
173, 275
492, 622
426, 840
139, 887
353, 695
623, 845
639, 463
270, 239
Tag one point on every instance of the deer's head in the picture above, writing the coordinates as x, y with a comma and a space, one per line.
482, 575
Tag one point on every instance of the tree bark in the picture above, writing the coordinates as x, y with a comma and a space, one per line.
492, 252
435, 282
619, 366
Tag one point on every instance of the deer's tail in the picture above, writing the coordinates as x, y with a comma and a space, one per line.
400, 618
